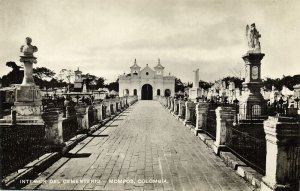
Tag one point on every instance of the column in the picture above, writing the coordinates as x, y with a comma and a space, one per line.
171, 104
283, 154
175, 106
81, 116
224, 115
201, 114
53, 128
189, 105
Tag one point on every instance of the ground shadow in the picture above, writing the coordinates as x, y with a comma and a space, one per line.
118, 119
98, 135
77, 155
112, 125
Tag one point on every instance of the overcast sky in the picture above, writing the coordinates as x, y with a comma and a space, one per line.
104, 37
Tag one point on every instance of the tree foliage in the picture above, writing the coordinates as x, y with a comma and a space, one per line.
43, 73
93, 82
179, 85
13, 77
113, 85
205, 85
288, 81
237, 81
65, 75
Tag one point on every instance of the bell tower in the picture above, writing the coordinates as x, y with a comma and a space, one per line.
159, 69
135, 69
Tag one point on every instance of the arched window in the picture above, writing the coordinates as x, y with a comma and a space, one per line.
158, 92
135, 92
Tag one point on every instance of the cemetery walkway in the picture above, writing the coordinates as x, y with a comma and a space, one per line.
144, 148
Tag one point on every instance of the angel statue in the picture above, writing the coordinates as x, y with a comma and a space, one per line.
253, 36
28, 49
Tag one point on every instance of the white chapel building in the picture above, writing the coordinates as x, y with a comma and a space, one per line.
147, 83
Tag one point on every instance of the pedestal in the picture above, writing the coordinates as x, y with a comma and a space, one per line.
252, 103
53, 128
283, 154
189, 105
175, 110
194, 93
28, 99
224, 115
81, 111
201, 111
171, 104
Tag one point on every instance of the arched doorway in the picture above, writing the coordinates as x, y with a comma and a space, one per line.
167, 93
147, 92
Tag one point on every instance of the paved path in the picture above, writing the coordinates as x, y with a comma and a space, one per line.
145, 143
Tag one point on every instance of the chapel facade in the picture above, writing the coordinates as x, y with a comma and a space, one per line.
146, 83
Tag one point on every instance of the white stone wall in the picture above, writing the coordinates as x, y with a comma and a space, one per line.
147, 76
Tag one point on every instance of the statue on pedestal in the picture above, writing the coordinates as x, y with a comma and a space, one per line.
28, 51
253, 36
28, 99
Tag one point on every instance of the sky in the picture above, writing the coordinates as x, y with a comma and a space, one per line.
104, 37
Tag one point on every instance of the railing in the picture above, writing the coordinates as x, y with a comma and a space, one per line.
177, 108
293, 153
20, 145
91, 117
183, 112
249, 144
193, 115
70, 127
211, 125
53, 103
103, 111
112, 112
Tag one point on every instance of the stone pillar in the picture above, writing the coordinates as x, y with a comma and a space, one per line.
81, 112
252, 103
108, 109
53, 128
171, 104
98, 107
189, 105
28, 99
196, 79
201, 116
283, 154
195, 91
175, 111
224, 115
